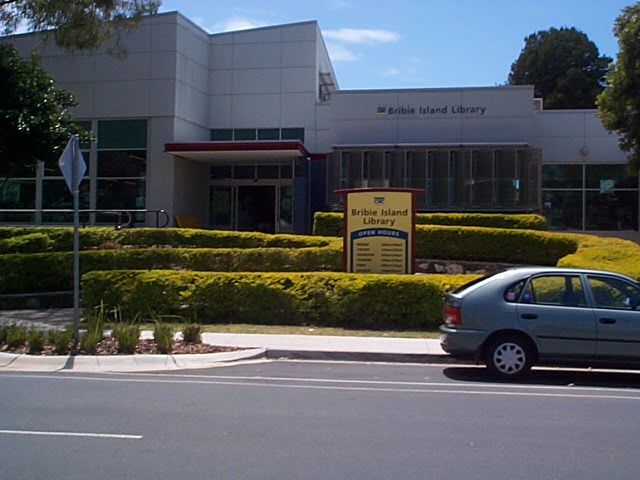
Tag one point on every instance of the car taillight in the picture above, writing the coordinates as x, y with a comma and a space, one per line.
452, 315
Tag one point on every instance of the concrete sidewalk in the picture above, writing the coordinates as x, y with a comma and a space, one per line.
307, 347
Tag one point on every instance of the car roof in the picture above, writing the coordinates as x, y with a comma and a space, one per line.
533, 270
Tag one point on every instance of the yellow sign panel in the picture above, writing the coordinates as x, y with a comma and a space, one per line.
379, 231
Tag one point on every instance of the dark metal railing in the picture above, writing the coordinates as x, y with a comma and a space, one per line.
122, 218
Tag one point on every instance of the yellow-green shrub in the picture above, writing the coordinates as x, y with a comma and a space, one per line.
330, 223
323, 299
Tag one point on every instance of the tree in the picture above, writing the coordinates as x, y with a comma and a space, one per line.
564, 66
77, 24
34, 115
619, 103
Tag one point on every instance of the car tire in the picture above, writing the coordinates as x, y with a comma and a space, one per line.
509, 357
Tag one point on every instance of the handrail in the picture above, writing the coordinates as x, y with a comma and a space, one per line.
117, 213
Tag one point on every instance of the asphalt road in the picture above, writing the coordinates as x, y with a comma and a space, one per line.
307, 420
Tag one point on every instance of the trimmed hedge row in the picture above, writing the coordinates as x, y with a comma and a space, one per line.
60, 239
605, 253
400, 302
330, 224
47, 272
528, 247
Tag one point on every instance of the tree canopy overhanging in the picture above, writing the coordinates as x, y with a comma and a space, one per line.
77, 24
619, 103
564, 66
35, 123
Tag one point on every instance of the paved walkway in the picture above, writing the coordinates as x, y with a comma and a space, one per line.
308, 347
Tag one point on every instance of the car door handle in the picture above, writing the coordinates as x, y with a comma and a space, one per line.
529, 316
607, 321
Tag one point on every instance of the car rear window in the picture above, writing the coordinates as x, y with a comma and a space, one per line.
480, 280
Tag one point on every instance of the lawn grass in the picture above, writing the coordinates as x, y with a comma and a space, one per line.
304, 330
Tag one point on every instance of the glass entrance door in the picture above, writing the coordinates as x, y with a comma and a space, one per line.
250, 207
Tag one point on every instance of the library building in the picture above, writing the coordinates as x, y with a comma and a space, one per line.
249, 130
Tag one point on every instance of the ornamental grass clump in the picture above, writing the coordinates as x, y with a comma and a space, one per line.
191, 333
35, 340
127, 336
163, 336
61, 339
15, 336
95, 329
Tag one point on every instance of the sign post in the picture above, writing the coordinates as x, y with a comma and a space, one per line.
73, 168
379, 230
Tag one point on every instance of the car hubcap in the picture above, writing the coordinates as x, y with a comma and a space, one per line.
509, 358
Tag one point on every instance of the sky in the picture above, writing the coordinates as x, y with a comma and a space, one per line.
387, 44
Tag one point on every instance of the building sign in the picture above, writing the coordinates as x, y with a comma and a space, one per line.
379, 230
425, 110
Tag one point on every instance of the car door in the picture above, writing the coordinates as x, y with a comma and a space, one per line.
553, 309
616, 308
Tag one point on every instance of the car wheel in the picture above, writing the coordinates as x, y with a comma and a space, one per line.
508, 357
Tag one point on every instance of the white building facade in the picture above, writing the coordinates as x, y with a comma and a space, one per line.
249, 130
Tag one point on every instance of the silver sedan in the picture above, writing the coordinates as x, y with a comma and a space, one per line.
521, 317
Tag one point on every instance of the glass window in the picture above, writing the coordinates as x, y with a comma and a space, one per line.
563, 290
562, 176
220, 172
268, 134
607, 177
286, 171
563, 210
612, 210
221, 135
20, 194
292, 134
611, 292
122, 163
121, 194
439, 177
122, 134
482, 178
244, 171
244, 134
268, 171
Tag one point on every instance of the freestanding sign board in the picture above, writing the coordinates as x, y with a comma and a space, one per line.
379, 230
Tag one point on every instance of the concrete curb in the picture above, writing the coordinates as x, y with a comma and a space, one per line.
122, 363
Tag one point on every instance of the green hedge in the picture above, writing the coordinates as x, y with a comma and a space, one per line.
528, 247
330, 224
60, 239
612, 254
48, 272
400, 302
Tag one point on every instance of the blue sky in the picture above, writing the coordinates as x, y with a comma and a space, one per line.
416, 43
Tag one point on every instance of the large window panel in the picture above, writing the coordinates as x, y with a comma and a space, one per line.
563, 209
611, 210
121, 194
606, 177
562, 176
122, 134
122, 163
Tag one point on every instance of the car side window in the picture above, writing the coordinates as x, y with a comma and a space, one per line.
614, 293
563, 290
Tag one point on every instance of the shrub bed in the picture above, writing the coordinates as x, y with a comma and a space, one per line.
378, 302
528, 247
330, 223
60, 239
49, 272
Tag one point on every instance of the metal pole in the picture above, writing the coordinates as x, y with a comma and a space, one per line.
76, 240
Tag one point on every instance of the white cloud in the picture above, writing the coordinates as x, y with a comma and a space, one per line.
361, 36
236, 22
390, 72
340, 53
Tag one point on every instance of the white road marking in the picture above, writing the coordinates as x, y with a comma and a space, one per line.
71, 434
374, 385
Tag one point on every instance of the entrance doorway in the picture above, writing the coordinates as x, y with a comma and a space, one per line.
250, 207
256, 208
